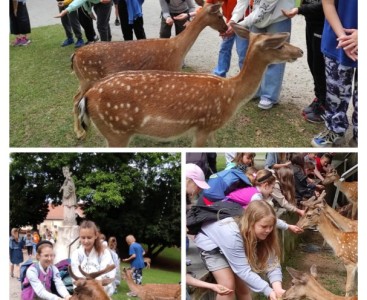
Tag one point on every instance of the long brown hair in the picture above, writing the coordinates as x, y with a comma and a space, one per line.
285, 177
239, 156
257, 251
97, 243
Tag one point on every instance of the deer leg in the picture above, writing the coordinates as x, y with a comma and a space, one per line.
350, 288
211, 139
354, 211
78, 128
118, 140
200, 138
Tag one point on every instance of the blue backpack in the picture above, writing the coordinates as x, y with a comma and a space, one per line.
224, 182
23, 271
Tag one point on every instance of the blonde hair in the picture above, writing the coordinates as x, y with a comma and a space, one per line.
257, 251
264, 176
112, 243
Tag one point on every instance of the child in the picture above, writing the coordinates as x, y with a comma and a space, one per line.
314, 15
91, 255
16, 244
241, 161
131, 19
195, 182
262, 190
112, 246
37, 283
20, 25
136, 260
244, 248
29, 243
339, 45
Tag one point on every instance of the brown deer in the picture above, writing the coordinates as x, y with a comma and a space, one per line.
88, 288
152, 291
95, 61
343, 223
349, 189
305, 286
147, 262
166, 105
344, 244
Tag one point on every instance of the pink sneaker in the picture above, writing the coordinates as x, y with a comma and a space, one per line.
24, 41
17, 42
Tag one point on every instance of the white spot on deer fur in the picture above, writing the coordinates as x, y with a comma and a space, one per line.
136, 109
124, 122
106, 112
100, 90
116, 107
108, 104
128, 87
117, 118
127, 105
122, 105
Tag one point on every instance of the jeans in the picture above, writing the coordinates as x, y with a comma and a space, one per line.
71, 24
271, 83
225, 54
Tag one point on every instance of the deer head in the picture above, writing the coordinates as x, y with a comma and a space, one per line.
331, 177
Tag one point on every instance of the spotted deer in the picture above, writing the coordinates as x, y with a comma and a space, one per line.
343, 223
152, 291
305, 286
344, 244
96, 61
147, 262
166, 105
349, 189
89, 288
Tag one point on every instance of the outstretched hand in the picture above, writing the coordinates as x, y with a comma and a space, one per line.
295, 229
221, 290
290, 13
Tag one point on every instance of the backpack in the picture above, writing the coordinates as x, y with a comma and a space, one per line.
23, 271
199, 214
62, 266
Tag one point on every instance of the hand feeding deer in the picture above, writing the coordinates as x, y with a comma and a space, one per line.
166, 105
344, 244
349, 189
305, 285
152, 291
89, 288
95, 61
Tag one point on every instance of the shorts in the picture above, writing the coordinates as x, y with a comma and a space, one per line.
214, 260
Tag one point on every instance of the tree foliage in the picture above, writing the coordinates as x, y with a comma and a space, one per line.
124, 193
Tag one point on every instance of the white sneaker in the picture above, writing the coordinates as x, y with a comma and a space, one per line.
266, 103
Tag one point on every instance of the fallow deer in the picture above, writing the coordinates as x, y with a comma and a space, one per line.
95, 61
344, 244
166, 105
88, 288
349, 189
305, 286
147, 262
152, 291
343, 223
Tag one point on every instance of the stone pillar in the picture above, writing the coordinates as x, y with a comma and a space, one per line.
66, 235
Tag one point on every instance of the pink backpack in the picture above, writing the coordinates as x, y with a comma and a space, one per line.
28, 292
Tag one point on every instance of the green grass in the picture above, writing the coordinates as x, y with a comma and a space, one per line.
41, 101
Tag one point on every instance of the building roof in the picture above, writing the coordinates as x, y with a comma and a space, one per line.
57, 212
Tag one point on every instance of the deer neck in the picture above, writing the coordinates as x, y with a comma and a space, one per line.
187, 37
317, 292
135, 288
247, 81
328, 231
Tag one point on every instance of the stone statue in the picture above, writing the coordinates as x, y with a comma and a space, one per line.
68, 198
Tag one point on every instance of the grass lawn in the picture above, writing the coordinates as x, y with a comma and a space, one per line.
41, 101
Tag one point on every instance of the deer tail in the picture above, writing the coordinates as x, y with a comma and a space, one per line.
83, 113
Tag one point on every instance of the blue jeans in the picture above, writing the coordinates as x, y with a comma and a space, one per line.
225, 54
271, 83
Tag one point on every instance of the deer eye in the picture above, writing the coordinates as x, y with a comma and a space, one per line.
280, 47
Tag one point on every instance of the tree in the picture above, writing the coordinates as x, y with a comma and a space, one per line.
123, 193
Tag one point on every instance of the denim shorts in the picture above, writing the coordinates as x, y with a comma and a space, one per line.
214, 260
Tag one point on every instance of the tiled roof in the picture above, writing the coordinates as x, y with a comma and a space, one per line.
57, 212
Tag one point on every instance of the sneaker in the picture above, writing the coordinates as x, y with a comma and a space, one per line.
67, 42
117, 22
131, 294
310, 108
353, 142
79, 43
314, 117
24, 41
266, 103
16, 42
328, 138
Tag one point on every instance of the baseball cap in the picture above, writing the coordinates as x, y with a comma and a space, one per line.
195, 173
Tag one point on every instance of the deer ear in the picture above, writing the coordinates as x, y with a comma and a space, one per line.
215, 8
276, 40
200, 2
313, 271
241, 31
294, 273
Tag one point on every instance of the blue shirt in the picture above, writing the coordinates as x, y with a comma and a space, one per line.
348, 14
138, 261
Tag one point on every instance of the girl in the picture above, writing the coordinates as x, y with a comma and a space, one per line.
20, 25
15, 250
284, 190
40, 275
112, 246
29, 243
241, 161
195, 182
262, 190
91, 255
245, 248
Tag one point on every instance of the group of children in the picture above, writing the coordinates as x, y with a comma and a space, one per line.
42, 279
225, 245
